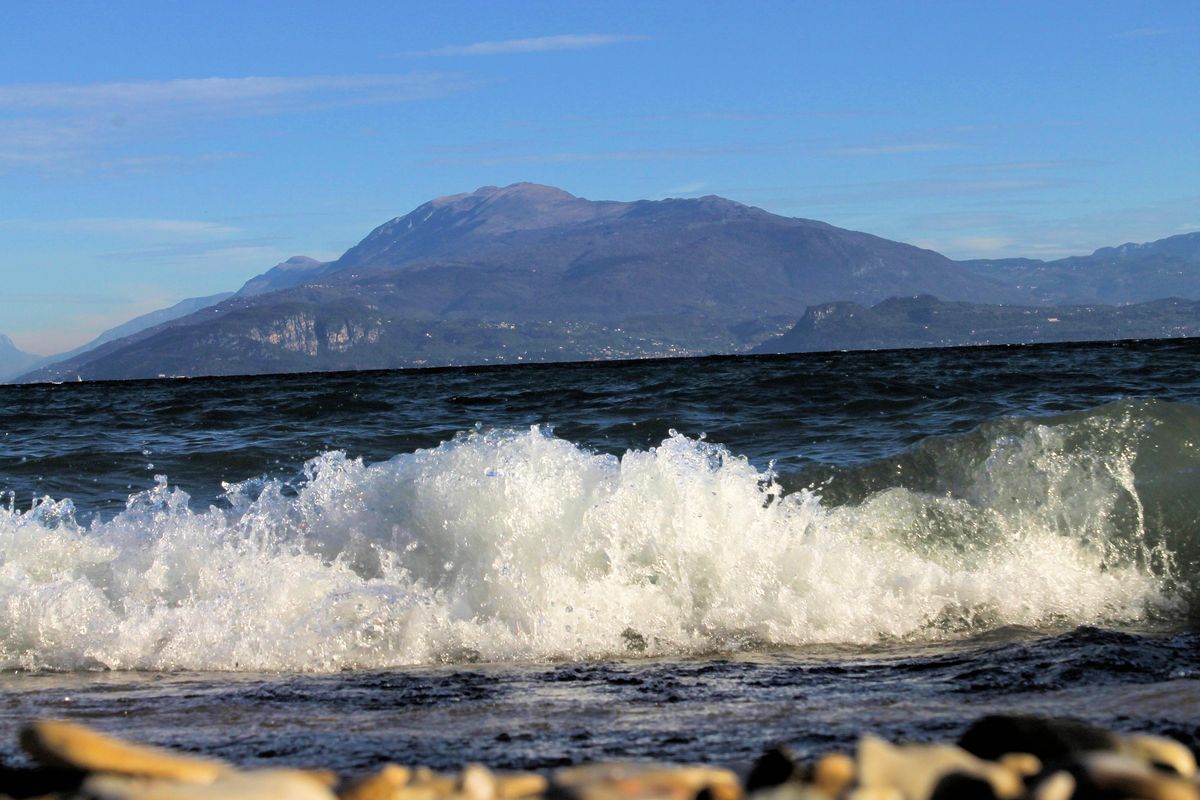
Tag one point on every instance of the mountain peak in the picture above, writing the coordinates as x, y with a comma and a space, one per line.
298, 262
293, 272
529, 192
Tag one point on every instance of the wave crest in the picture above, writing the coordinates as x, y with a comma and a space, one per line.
504, 545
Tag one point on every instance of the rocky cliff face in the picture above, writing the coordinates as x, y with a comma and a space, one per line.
303, 333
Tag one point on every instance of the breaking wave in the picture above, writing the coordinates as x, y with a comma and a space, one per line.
517, 545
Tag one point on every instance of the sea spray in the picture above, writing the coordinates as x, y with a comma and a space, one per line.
518, 545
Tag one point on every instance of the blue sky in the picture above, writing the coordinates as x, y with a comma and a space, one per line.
155, 151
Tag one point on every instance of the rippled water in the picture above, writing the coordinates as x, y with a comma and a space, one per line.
530, 565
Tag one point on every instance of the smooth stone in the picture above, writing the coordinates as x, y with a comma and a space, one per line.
792, 791
425, 778
916, 769
1156, 750
1104, 775
58, 743
1059, 786
833, 773
875, 793
650, 780
517, 785
1024, 764
268, 784
395, 782
382, 785
477, 783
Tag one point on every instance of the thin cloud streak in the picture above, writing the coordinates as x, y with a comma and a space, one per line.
540, 44
686, 189
263, 251
138, 226
1024, 166
128, 226
584, 157
893, 149
225, 93
64, 126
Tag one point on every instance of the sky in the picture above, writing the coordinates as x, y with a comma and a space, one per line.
155, 151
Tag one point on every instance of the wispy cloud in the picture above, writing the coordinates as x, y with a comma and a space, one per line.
669, 154
1023, 166
158, 161
870, 192
152, 227
893, 149
90, 125
59, 298
223, 253
539, 44
688, 188
138, 227
227, 94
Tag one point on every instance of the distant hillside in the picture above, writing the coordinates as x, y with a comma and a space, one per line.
289, 273
14, 361
925, 321
293, 272
138, 324
1131, 273
532, 273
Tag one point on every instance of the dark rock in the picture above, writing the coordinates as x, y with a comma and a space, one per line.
38, 781
957, 786
1050, 739
774, 767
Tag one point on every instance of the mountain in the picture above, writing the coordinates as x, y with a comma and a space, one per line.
1131, 273
293, 272
925, 321
12, 360
284, 275
533, 273
535, 252
140, 323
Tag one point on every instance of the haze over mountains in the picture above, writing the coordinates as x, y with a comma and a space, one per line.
529, 273
14, 360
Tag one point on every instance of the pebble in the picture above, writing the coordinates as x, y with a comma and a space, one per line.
270, 784
1004, 757
648, 781
57, 743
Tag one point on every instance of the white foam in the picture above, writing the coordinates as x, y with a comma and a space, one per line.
520, 545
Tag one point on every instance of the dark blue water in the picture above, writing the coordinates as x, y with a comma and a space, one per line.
96, 442
532, 565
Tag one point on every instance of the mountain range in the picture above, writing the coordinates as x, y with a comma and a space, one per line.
926, 321
532, 273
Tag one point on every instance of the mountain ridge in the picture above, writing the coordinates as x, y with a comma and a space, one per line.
926, 321
531, 272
